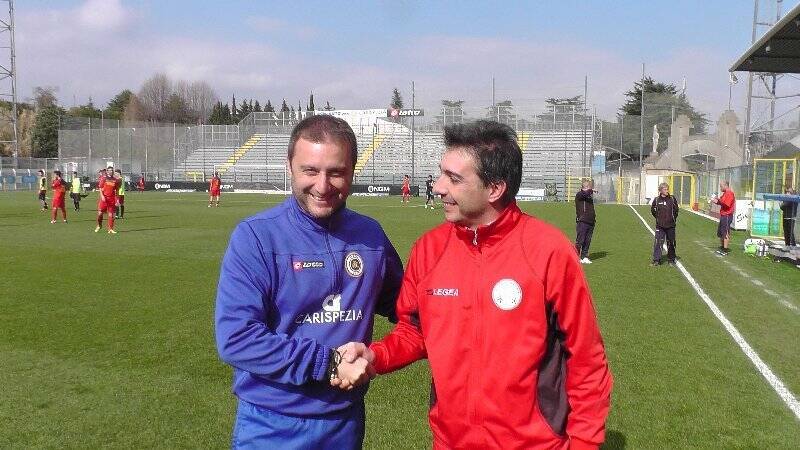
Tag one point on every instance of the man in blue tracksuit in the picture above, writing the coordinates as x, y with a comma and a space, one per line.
298, 281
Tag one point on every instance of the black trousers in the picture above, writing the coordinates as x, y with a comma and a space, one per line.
584, 238
788, 231
661, 235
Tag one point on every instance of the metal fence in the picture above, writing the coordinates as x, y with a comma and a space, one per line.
562, 141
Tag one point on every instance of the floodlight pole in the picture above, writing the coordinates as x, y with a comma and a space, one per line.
641, 140
130, 151
10, 74
583, 152
413, 165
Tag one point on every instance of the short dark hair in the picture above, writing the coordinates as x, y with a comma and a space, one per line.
58, 173
41, 171
495, 150
324, 128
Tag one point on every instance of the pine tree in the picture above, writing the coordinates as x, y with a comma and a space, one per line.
244, 109
661, 102
216, 117
310, 106
257, 107
268, 107
397, 99
234, 113
227, 116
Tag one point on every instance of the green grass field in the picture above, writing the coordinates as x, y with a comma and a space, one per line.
107, 341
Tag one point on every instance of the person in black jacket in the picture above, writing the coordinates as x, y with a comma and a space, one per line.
789, 210
665, 210
584, 218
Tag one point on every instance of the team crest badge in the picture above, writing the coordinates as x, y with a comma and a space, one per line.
507, 294
353, 264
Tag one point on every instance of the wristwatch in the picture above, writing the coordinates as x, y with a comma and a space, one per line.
333, 364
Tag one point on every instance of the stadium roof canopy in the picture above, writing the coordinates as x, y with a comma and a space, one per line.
778, 51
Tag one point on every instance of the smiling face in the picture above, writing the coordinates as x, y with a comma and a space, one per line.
322, 173
467, 200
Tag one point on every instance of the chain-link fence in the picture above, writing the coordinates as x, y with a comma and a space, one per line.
22, 173
147, 148
562, 141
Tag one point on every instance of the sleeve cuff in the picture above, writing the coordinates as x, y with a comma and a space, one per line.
321, 363
578, 444
380, 357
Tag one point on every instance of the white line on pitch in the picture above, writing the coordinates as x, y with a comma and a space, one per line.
783, 392
758, 283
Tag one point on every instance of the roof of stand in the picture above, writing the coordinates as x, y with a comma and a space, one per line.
778, 51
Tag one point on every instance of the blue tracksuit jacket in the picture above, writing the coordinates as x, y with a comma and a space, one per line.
290, 289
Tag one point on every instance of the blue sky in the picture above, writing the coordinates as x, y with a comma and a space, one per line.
352, 53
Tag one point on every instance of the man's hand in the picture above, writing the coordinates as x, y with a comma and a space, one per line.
350, 375
355, 368
354, 350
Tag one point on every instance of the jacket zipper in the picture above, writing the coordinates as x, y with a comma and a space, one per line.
337, 285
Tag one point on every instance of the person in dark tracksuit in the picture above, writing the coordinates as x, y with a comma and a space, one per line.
789, 210
584, 218
665, 210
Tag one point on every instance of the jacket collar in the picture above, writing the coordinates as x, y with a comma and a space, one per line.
303, 219
488, 235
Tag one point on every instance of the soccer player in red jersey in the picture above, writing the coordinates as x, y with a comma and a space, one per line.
406, 189
59, 191
108, 199
214, 187
140, 184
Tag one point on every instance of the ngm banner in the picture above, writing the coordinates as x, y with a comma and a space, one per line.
378, 190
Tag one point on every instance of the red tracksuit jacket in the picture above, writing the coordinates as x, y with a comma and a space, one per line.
505, 318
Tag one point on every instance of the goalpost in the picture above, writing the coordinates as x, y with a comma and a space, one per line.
265, 177
573, 179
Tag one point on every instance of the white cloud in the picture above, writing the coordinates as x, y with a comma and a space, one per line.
103, 15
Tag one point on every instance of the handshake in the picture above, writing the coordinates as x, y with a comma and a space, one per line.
354, 366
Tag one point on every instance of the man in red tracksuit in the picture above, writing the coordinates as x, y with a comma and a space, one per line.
727, 206
496, 300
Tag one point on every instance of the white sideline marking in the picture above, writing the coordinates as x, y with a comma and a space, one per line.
758, 283
715, 219
777, 385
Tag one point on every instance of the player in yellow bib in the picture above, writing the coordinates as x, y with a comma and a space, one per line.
120, 195
43, 190
75, 191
